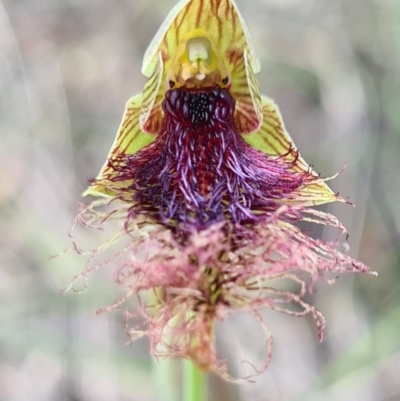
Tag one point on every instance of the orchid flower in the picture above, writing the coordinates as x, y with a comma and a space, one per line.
209, 188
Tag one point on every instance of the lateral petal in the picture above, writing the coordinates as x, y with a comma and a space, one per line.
273, 139
130, 139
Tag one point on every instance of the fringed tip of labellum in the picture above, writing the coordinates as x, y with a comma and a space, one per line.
208, 189
182, 289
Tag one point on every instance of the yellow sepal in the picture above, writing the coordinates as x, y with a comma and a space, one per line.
219, 25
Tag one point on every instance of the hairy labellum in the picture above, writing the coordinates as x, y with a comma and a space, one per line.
200, 171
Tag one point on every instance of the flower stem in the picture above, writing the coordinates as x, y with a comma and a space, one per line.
194, 383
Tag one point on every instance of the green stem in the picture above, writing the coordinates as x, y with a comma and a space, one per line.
194, 383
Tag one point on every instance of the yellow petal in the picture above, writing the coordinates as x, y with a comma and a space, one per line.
151, 115
130, 138
203, 43
248, 113
273, 139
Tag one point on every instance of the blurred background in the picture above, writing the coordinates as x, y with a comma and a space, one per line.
66, 70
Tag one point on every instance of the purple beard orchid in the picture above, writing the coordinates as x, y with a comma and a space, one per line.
208, 188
